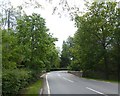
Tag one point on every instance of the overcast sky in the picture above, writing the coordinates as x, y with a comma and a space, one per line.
61, 28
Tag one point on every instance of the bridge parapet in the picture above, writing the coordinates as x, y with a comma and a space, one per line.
76, 73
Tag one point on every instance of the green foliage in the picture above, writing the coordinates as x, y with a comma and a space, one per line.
14, 80
27, 51
37, 44
65, 54
9, 47
96, 43
33, 88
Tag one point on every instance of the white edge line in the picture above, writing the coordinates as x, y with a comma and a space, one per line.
95, 91
42, 75
58, 74
68, 80
100, 81
47, 85
41, 91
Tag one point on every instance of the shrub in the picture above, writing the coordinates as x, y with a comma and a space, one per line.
14, 80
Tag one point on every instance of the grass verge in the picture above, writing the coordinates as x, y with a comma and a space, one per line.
112, 81
33, 88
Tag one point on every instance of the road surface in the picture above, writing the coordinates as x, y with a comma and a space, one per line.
61, 82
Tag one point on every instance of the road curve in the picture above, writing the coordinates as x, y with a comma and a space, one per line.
61, 82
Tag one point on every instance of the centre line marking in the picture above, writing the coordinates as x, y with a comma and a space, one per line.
47, 85
68, 80
58, 74
96, 91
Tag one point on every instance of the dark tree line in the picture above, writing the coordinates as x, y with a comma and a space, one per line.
95, 47
28, 49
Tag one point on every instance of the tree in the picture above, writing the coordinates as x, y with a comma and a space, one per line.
9, 15
36, 42
27, 51
9, 45
66, 55
95, 36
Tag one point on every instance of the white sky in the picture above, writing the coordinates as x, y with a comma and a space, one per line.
62, 27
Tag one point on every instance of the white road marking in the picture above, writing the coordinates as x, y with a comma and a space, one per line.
42, 75
62, 71
96, 91
47, 85
100, 81
68, 80
58, 74
48, 73
41, 90
93, 80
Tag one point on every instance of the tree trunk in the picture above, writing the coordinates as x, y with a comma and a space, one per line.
106, 64
118, 60
32, 47
8, 19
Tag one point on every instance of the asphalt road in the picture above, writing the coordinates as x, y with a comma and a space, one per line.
61, 82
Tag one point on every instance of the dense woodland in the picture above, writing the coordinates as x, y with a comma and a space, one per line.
29, 49
95, 47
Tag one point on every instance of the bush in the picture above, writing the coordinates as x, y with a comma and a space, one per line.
14, 80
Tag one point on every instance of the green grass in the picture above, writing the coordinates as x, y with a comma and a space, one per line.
112, 81
34, 88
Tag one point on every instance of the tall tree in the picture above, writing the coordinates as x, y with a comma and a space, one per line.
27, 51
36, 42
95, 36
9, 15
66, 55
